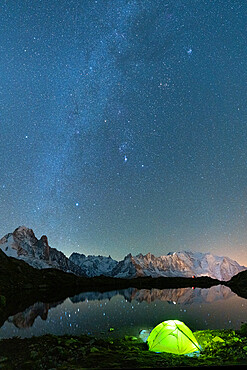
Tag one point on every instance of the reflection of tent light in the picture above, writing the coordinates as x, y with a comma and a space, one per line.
172, 336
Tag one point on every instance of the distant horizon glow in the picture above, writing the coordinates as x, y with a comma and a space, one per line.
123, 125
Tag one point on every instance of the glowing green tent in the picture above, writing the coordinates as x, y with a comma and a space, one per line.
172, 336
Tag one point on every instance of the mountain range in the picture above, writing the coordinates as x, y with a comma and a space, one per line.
23, 244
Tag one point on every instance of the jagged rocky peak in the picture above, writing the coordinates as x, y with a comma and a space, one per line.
94, 265
76, 255
170, 253
43, 248
23, 244
44, 239
140, 255
149, 256
24, 233
22, 229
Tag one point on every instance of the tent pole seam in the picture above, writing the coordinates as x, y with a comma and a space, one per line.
188, 337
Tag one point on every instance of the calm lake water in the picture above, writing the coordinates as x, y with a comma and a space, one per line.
129, 311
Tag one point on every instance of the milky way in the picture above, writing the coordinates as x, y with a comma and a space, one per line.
123, 125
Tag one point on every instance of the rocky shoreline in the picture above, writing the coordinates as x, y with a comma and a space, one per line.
219, 348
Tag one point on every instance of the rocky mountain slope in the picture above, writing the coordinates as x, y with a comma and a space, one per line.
94, 265
238, 284
184, 264
24, 245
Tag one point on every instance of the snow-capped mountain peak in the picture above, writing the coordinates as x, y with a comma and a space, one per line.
23, 244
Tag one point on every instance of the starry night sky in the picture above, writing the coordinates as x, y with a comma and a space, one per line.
123, 124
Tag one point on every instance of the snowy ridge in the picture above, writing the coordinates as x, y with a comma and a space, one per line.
94, 265
184, 264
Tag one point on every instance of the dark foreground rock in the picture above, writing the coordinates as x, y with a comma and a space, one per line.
238, 284
219, 348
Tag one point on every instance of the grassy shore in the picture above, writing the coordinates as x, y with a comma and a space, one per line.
219, 348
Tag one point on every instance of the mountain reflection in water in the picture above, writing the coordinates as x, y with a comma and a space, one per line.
129, 310
26, 318
179, 295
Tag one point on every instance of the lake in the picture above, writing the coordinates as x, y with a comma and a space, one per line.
128, 311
